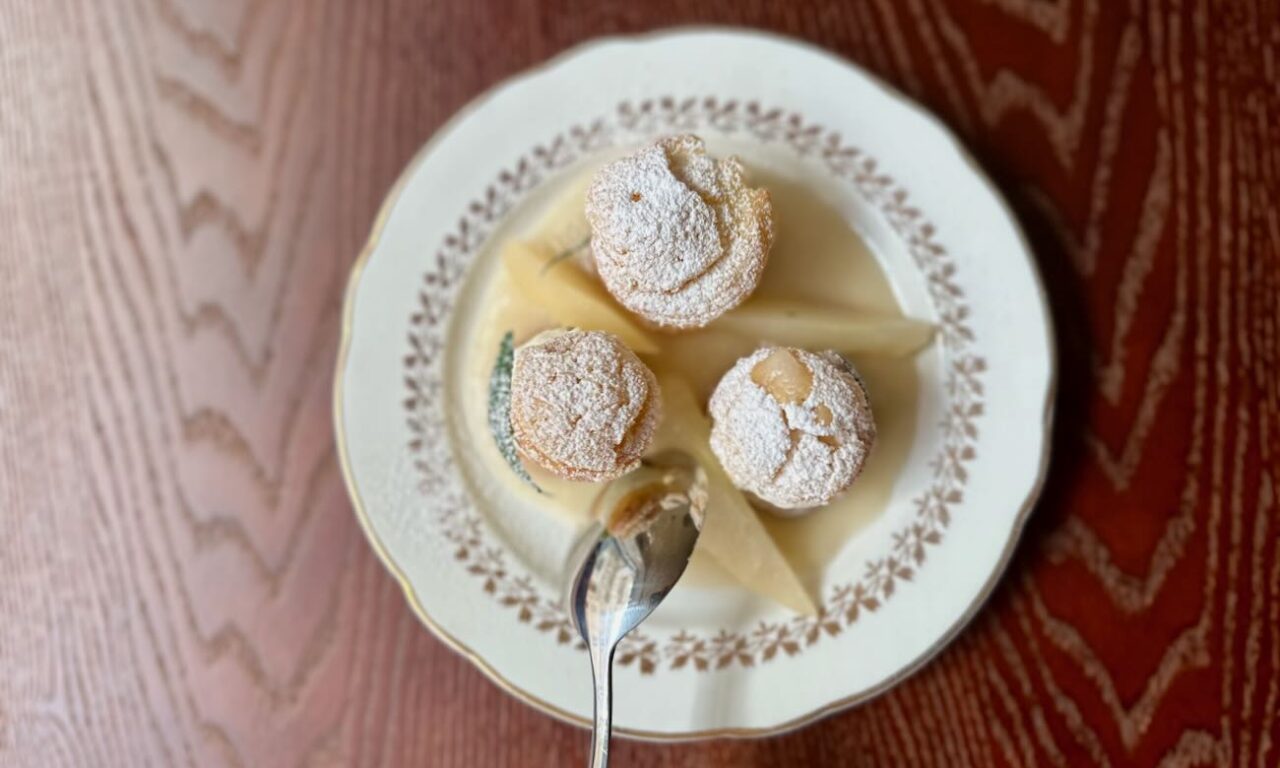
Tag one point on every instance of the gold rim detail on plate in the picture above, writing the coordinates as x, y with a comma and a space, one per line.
483, 664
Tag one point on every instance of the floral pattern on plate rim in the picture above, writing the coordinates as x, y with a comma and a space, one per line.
845, 603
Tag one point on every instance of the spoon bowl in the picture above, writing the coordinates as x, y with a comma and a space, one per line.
649, 521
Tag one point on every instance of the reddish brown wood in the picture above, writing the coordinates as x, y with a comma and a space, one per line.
183, 186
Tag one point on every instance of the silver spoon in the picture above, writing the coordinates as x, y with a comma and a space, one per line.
651, 520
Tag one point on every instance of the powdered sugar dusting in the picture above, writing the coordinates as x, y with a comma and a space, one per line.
582, 405
793, 455
657, 218
677, 236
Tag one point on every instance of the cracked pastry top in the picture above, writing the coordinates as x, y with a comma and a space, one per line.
792, 427
583, 406
678, 237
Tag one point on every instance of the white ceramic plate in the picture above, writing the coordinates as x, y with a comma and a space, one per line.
482, 570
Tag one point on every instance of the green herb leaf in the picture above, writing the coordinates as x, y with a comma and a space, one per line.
500, 408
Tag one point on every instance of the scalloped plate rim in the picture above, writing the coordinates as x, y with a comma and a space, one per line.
349, 316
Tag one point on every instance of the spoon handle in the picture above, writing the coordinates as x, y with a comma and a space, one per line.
602, 675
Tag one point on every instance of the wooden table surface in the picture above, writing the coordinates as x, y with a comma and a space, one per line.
183, 185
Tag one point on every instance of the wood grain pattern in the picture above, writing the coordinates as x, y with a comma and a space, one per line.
183, 185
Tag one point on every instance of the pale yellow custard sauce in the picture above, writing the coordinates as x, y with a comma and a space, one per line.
817, 261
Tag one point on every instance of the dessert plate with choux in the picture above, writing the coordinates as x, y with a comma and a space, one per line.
735, 246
